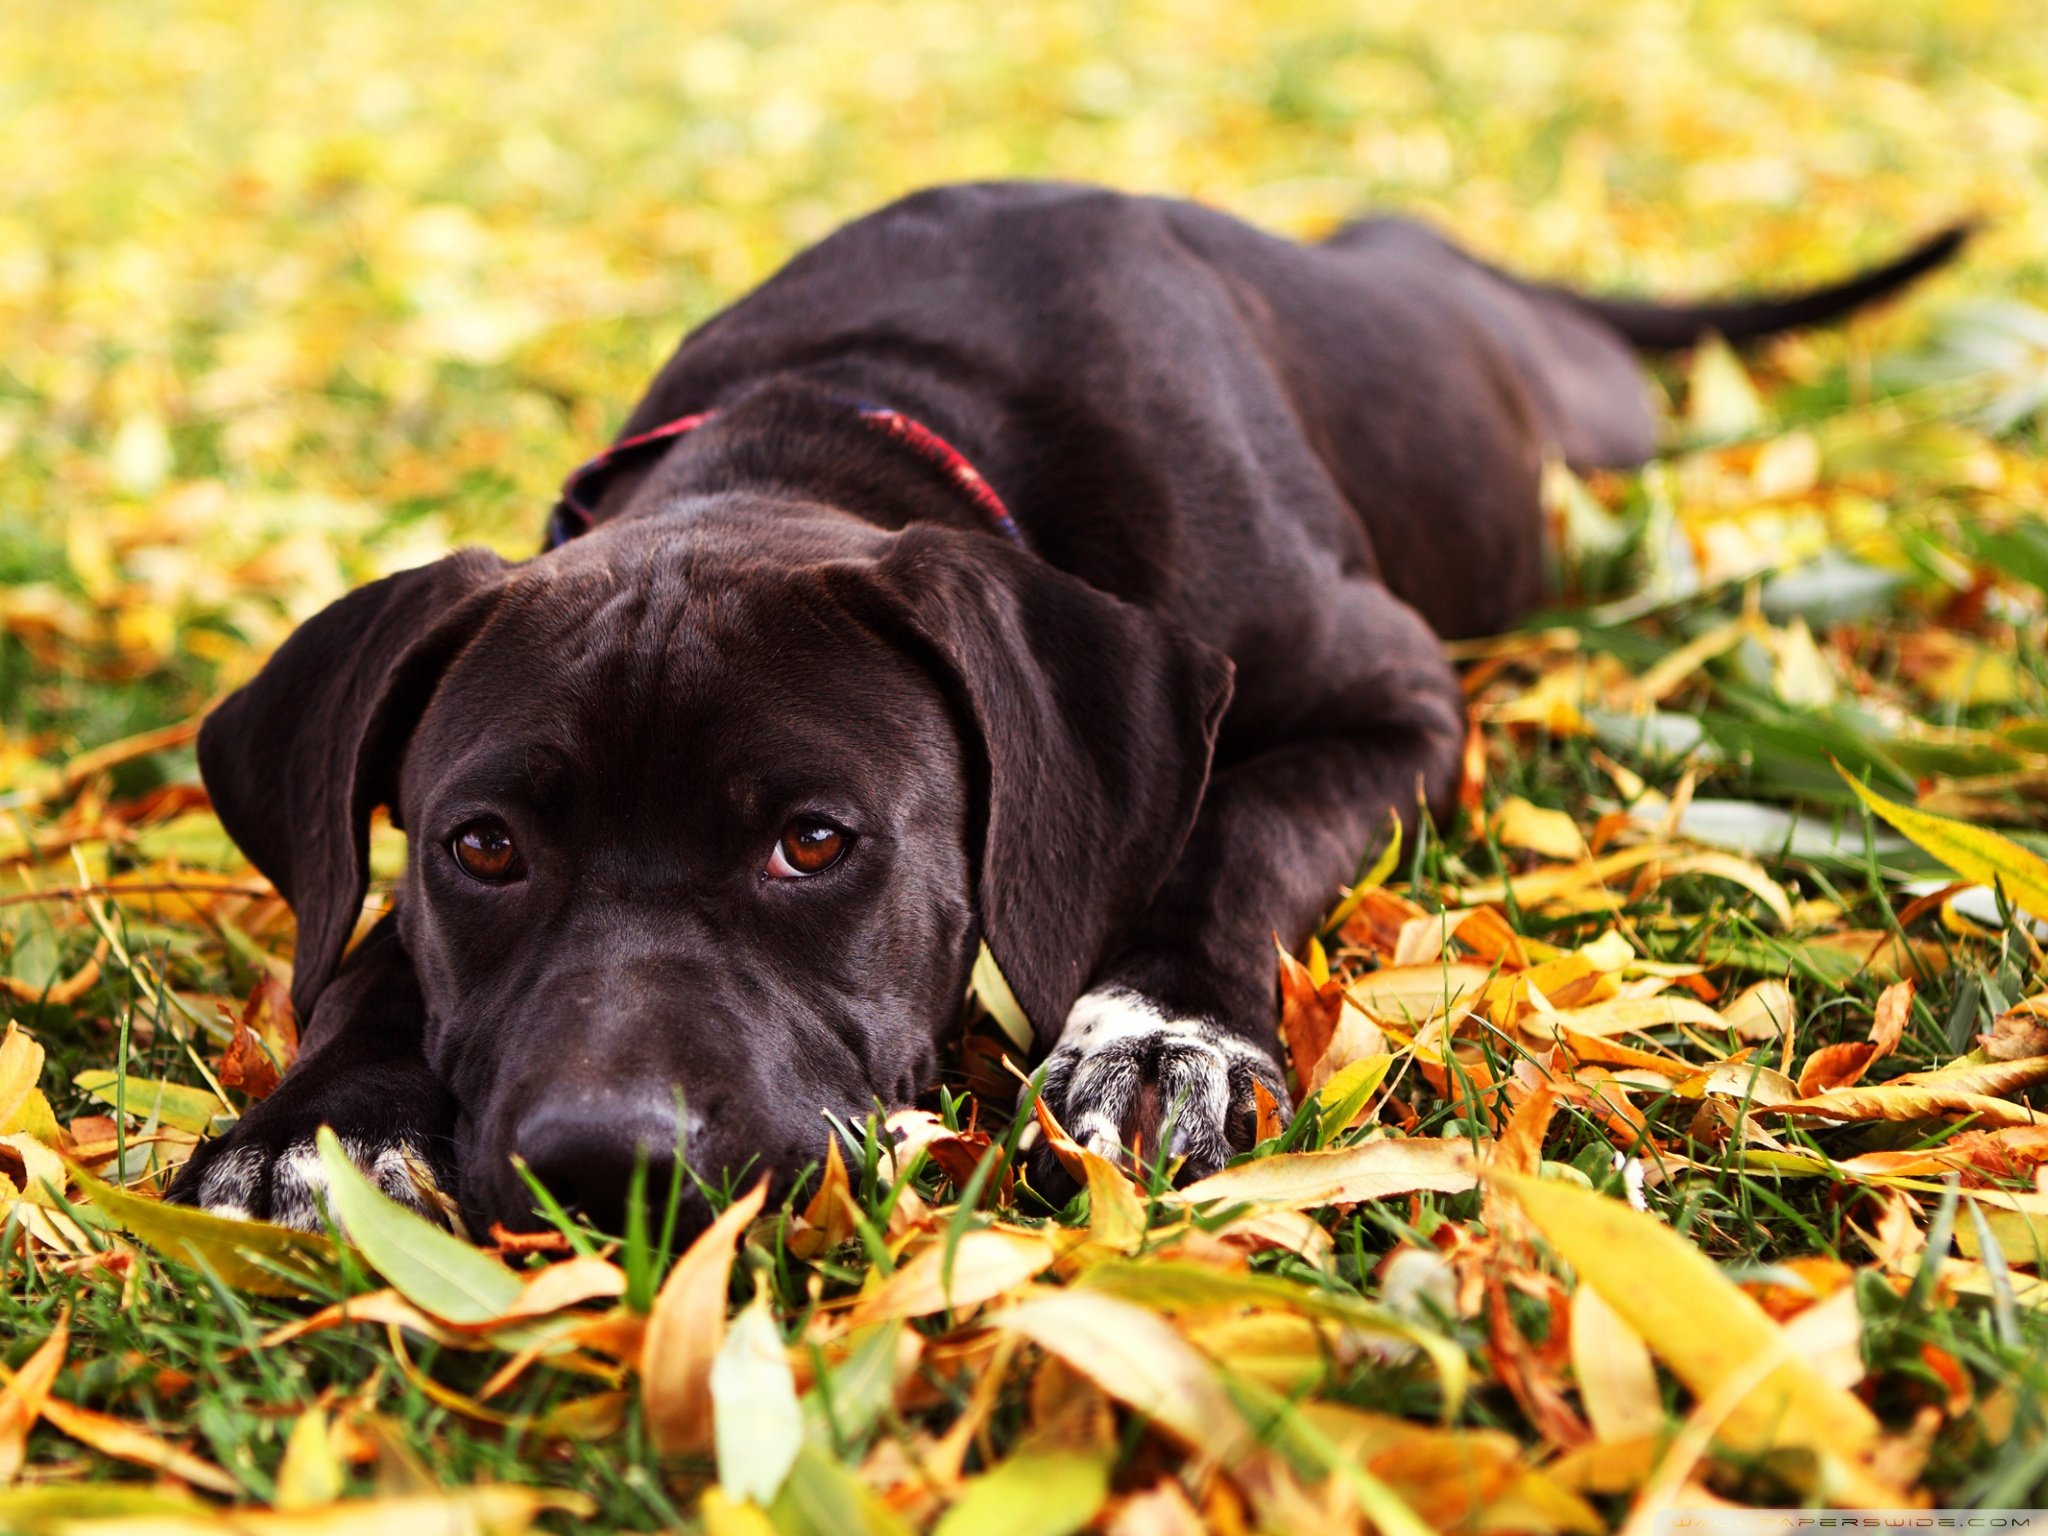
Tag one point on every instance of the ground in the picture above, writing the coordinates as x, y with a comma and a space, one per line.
1667, 1132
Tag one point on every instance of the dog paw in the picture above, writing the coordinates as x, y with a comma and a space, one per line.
287, 1183
395, 1122
1127, 1077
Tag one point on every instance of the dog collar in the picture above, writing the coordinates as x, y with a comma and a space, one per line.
575, 510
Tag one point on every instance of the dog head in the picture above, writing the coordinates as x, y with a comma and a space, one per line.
705, 815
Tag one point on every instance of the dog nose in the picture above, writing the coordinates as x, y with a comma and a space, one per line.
584, 1152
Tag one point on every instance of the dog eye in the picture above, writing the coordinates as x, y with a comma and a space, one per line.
810, 845
486, 852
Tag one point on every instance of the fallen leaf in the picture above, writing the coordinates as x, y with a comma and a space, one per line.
1518, 824
2019, 1032
686, 1330
311, 1473
265, 1042
129, 1442
189, 1109
978, 1267
759, 1426
1976, 853
249, 1255
1138, 1360
1308, 1015
1763, 1011
1371, 1171
1709, 1332
25, 1395
1032, 1493
1616, 1378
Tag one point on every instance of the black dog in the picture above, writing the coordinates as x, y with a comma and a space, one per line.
712, 802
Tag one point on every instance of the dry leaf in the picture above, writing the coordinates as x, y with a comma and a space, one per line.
26, 1394
1617, 1381
1714, 1338
1371, 1171
2019, 1032
979, 1267
265, 1042
686, 1329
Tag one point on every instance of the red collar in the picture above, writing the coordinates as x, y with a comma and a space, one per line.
576, 509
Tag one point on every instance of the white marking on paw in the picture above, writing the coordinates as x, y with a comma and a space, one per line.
1117, 1044
230, 1184
298, 1186
1117, 1014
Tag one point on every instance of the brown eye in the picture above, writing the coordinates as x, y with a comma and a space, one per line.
809, 845
486, 852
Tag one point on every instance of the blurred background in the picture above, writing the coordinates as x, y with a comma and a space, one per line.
295, 294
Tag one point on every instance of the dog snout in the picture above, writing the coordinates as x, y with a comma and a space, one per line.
583, 1150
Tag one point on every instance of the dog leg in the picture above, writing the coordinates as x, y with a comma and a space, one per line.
1175, 1030
363, 1073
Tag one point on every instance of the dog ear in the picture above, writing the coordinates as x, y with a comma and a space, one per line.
1093, 720
296, 760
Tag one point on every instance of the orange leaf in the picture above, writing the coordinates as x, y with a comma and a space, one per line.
827, 1221
24, 1398
979, 1267
132, 1443
1270, 1123
265, 1042
1308, 1014
686, 1329
2019, 1032
1835, 1066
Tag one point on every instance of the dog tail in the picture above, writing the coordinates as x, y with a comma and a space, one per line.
1653, 327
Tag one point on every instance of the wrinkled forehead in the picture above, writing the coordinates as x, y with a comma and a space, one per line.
748, 679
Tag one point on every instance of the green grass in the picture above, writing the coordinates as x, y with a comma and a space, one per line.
292, 298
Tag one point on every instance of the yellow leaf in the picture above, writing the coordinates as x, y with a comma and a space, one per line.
1617, 1382
229, 1247
2018, 1224
1891, 1101
981, 1266
989, 984
1555, 880
1727, 866
1412, 994
1033, 1493
499, 1509
311, 1473
827, 1220
1764, 1011
21, 1068
686, 1329
1669, 674
1347, 1089
42, 1170
1373, 1171
33, 1117
723, 1515
188, 1109
1625, 1015
1116, 1211
1139, 1360
1519, 824
760, 1424
1976, 853
1720, 400
1709, 1332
